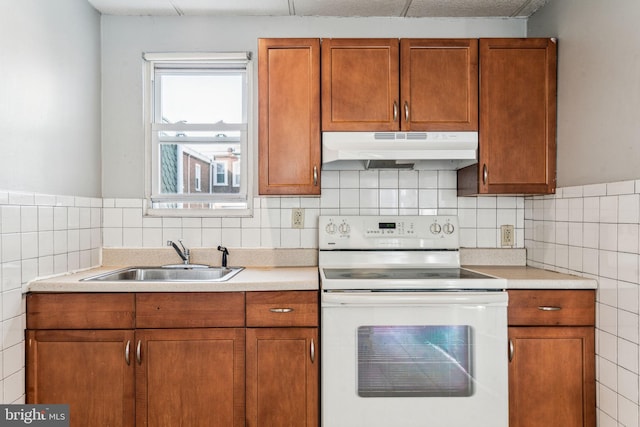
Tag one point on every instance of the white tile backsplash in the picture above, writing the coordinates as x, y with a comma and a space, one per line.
39, 235
602, 241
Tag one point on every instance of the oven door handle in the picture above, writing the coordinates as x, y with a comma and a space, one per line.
341, 299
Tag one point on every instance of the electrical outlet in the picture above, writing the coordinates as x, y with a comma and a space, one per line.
297, 218
506, 235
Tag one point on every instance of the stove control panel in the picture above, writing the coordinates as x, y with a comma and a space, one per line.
388, 232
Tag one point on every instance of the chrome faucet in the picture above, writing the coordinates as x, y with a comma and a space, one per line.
225, 254
184, 253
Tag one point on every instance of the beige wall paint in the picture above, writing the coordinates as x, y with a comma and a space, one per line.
598, 87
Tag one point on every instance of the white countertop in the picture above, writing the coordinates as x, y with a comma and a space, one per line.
522, 277
249, 279
289, 278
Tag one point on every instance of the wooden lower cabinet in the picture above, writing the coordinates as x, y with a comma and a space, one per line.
282, 377
552, 358
190, 377
551, 377
86, 369
141, 372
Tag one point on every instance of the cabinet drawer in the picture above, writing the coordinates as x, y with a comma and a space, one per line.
551, 307
287, 308
80, 311
189, 310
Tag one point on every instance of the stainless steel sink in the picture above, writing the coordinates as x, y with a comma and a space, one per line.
173, 274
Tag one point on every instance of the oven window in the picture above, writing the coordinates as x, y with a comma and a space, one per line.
421, 361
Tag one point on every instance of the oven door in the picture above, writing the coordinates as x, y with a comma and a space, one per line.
414, 359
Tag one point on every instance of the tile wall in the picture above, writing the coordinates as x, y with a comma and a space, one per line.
374, 192
593, 231
40, 235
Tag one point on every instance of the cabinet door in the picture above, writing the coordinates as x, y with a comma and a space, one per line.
517, 146
282, 377
439, 84
552, 377
360, 85
89, 370
190, 377
289, 116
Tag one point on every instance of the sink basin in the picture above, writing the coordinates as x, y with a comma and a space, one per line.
161, 274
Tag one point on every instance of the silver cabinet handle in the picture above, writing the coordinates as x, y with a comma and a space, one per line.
315, 176
395, 111
511, 350
485, 173
281, 310
312, 351
127, 349
406, 111
139, 352
549, 308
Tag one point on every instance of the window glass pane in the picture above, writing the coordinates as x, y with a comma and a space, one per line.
421, 361
179, 164
195, 97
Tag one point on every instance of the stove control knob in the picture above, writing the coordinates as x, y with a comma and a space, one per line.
344, 228
435, 228
448, 228
331, 228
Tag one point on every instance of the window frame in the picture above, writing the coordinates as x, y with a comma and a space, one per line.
226, 203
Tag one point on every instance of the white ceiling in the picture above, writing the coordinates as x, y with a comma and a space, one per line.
390, 8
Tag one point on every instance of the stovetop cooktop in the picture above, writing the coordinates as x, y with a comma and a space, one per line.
402, 273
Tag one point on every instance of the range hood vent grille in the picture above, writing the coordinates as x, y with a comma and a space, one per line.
398, 150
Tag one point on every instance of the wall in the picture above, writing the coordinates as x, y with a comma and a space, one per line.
592, 231
126, 38
50, 104
590, 227
598, 87
373, 192
50, 206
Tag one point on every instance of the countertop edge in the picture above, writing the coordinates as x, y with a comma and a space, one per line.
249, 279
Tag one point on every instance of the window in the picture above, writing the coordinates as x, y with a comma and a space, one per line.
197, 133
220, 174
236, 174
197, 176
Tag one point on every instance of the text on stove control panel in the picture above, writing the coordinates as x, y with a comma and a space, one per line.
379, 231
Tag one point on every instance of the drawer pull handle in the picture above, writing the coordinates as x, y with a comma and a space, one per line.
126, 352
549, 308
139, 352
281, 310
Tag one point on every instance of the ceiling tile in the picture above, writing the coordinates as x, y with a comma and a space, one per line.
349, 7
465, 8
134, 7
233, 7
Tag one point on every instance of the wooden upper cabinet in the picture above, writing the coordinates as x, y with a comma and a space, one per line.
360, 84
439, 84
391, 84
289, 116
517, 146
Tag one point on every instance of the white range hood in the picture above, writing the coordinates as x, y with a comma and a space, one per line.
399, 150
